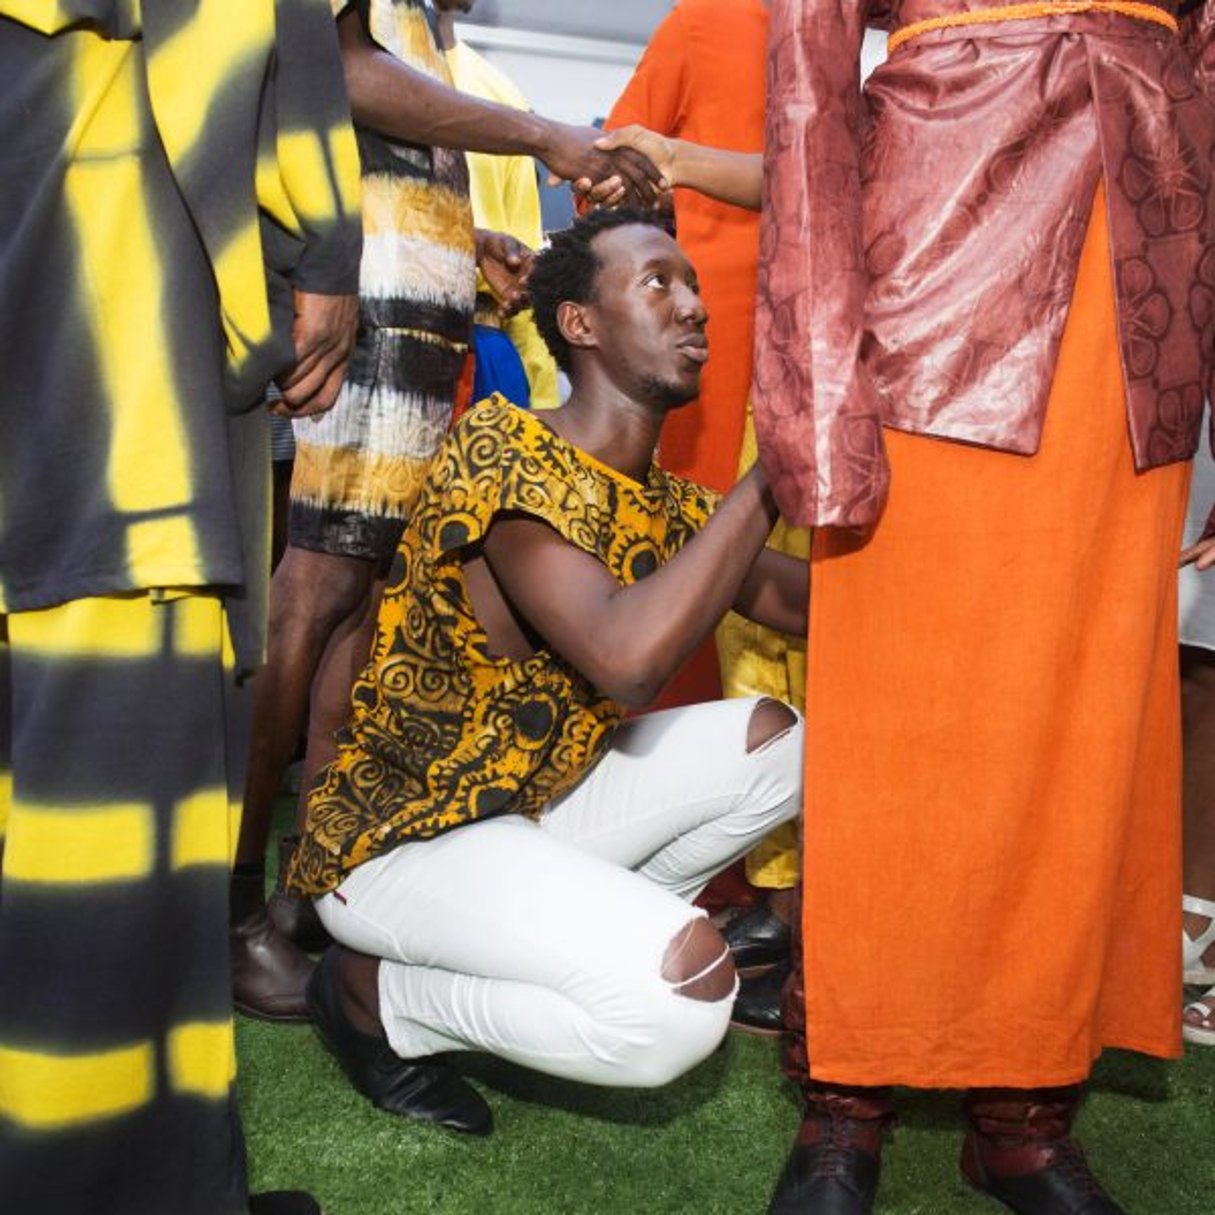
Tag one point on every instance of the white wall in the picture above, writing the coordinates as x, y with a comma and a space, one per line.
579, 79
570, 79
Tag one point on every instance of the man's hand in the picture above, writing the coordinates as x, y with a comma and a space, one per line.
572, 155
505, 263
1201, 555
323, 333
638, 141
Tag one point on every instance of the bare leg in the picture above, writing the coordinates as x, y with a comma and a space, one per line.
343, 660
313, 597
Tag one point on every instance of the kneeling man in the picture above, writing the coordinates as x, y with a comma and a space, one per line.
504, 858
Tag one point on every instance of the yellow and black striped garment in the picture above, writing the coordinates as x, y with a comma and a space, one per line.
359, 469
171, 171
443, 732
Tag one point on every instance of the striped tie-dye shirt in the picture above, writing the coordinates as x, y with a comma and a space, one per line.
358, 471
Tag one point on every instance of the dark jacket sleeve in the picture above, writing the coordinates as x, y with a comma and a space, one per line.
308, 171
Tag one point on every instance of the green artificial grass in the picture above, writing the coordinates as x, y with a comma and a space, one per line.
713, 1142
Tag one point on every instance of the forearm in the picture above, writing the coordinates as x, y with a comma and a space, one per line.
398, 101
647, 630
730, 177
776, 593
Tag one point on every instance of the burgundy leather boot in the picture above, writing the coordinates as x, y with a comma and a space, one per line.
269, 973
836, 1157
1019, 1151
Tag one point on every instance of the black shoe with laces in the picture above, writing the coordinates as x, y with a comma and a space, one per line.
757, 1008
428, 1090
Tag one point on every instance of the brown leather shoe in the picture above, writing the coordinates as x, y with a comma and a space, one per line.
269, 973
294, 917
1019, 1151
836, 1159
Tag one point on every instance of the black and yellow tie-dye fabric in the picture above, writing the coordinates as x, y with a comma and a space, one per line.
443, 732
171, 171
359, 469
120, 734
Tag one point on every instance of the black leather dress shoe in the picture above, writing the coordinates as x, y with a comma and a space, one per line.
428, 1090
283, 1202
757, 1005
757, 938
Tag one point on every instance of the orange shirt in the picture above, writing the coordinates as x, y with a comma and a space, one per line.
702, 79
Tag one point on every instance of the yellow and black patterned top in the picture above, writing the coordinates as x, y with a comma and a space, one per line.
443, 732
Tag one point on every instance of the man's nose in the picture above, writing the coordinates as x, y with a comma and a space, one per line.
691, 307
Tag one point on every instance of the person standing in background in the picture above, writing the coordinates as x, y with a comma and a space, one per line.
505, 198
179, 222
358, 470
984, 336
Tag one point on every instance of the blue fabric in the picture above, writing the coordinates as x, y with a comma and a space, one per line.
498, 367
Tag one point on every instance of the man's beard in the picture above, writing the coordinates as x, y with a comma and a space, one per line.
666, 395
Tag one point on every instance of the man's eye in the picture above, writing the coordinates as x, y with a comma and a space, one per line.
654, 280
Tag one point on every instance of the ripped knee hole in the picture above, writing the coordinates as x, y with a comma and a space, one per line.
697, 963
770, 720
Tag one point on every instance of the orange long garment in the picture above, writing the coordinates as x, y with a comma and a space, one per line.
702, 78
992, 836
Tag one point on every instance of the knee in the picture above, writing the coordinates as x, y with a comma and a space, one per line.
317, 591
770, 720
685, 1014
697, 963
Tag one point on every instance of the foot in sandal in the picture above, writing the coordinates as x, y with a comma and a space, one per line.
1198, 1019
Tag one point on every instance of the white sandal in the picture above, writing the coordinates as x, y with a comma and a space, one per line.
1194, 970
1205, 1003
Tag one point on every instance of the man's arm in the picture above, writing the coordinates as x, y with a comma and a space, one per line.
400, 102
629, 641
776, 593
729, 177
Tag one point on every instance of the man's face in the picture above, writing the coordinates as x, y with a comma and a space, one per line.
649, 322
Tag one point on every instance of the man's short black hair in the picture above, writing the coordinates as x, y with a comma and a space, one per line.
566, 270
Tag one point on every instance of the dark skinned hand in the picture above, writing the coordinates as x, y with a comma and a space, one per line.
323, 333
505, 264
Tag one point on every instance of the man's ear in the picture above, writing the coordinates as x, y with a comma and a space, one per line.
575, 325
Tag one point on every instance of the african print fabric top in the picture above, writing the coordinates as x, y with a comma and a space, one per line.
360, 467
443, 731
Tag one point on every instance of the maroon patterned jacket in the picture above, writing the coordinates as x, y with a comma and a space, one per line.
920, 241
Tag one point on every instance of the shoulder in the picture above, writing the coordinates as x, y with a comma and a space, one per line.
686, 499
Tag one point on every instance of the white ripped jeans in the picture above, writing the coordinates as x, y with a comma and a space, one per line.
543, 942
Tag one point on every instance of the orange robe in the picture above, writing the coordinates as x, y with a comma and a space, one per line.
992, 838
702, 79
